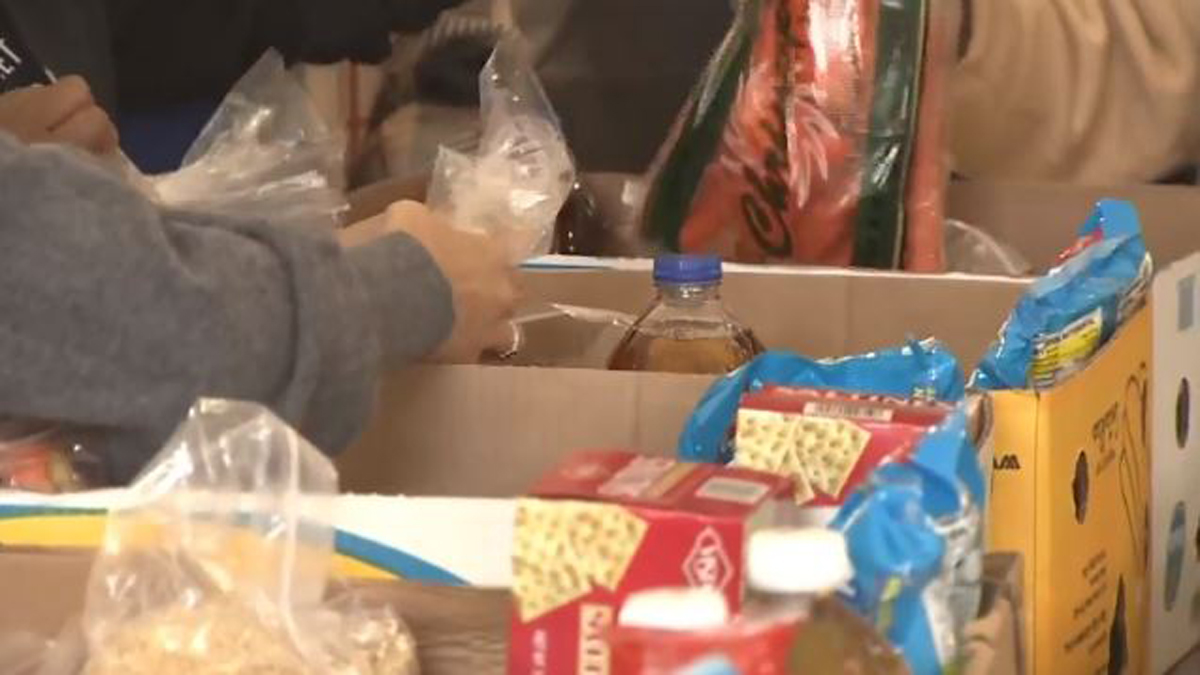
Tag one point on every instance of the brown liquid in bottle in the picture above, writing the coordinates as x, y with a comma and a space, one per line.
643, 351
687, 329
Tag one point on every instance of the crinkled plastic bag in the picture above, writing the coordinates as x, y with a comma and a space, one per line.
517, 182
915, 537
220, 561
266, 153
970, 250
1067, 316
923, 370
816, 136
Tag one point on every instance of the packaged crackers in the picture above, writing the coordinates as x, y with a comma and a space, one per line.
605, 525
827, 442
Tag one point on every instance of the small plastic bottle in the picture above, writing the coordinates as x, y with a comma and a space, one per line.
675, 609
687, 329
797, 573
788, 570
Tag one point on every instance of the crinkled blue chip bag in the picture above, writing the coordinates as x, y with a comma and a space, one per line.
897, 554
923, 370
1069, 314
915, 537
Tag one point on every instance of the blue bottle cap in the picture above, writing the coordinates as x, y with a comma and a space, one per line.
687, 269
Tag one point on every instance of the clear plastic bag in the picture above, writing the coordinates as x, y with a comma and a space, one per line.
816, 136
515, 185
266, 153
219, 563
972, 251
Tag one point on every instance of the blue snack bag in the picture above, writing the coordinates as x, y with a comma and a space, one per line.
1069, 314
920, 370
915, 538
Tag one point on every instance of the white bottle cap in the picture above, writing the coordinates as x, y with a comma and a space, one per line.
676, 609
810, 561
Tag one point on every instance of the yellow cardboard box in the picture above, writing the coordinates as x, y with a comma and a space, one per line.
1070, 491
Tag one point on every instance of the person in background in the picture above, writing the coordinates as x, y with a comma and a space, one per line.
118, 314
1087, 91
160, 68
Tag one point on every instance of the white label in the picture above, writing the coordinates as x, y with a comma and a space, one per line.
733, 490
847, 411
637, 477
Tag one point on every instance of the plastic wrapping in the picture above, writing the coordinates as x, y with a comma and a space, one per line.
929, 173
1064, 319
220, 562
43, 457
921, 370
266, 153
515, 185
972, 251
812, 127
915, 539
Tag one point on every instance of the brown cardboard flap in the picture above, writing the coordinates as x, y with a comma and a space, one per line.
492, 431
820, 313
1041, 219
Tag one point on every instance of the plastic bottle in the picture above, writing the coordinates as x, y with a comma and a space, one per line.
689, 631
687, 329
798, 572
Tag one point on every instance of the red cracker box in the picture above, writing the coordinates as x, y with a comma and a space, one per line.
608, 524
828, 442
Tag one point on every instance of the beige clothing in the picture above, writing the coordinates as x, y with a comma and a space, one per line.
1090, 91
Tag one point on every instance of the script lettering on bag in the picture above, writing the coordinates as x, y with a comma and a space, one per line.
766, 208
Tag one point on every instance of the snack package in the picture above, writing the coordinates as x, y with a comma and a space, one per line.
813, 125
826, 441
1067, 316
605, 525
522, 173
920, 370
915, 538
219, 562
266, 153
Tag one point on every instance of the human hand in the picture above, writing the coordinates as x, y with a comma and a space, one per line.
63, 113
482, 282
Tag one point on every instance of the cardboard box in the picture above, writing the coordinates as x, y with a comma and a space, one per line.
458, 631
1174, 527
605, 525
492, 431
525, 418
1070, 491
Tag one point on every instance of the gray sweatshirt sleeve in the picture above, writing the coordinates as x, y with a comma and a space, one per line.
117, 315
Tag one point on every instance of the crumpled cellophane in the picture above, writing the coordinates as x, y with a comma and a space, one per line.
220, 563
516, 183
266, 153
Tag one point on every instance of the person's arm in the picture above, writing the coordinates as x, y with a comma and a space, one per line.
182, 50
1098, 91
118, 315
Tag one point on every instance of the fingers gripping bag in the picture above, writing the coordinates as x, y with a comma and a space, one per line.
814, 124
1068, 315
915, 537
919, 370
518, 180
219, 563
